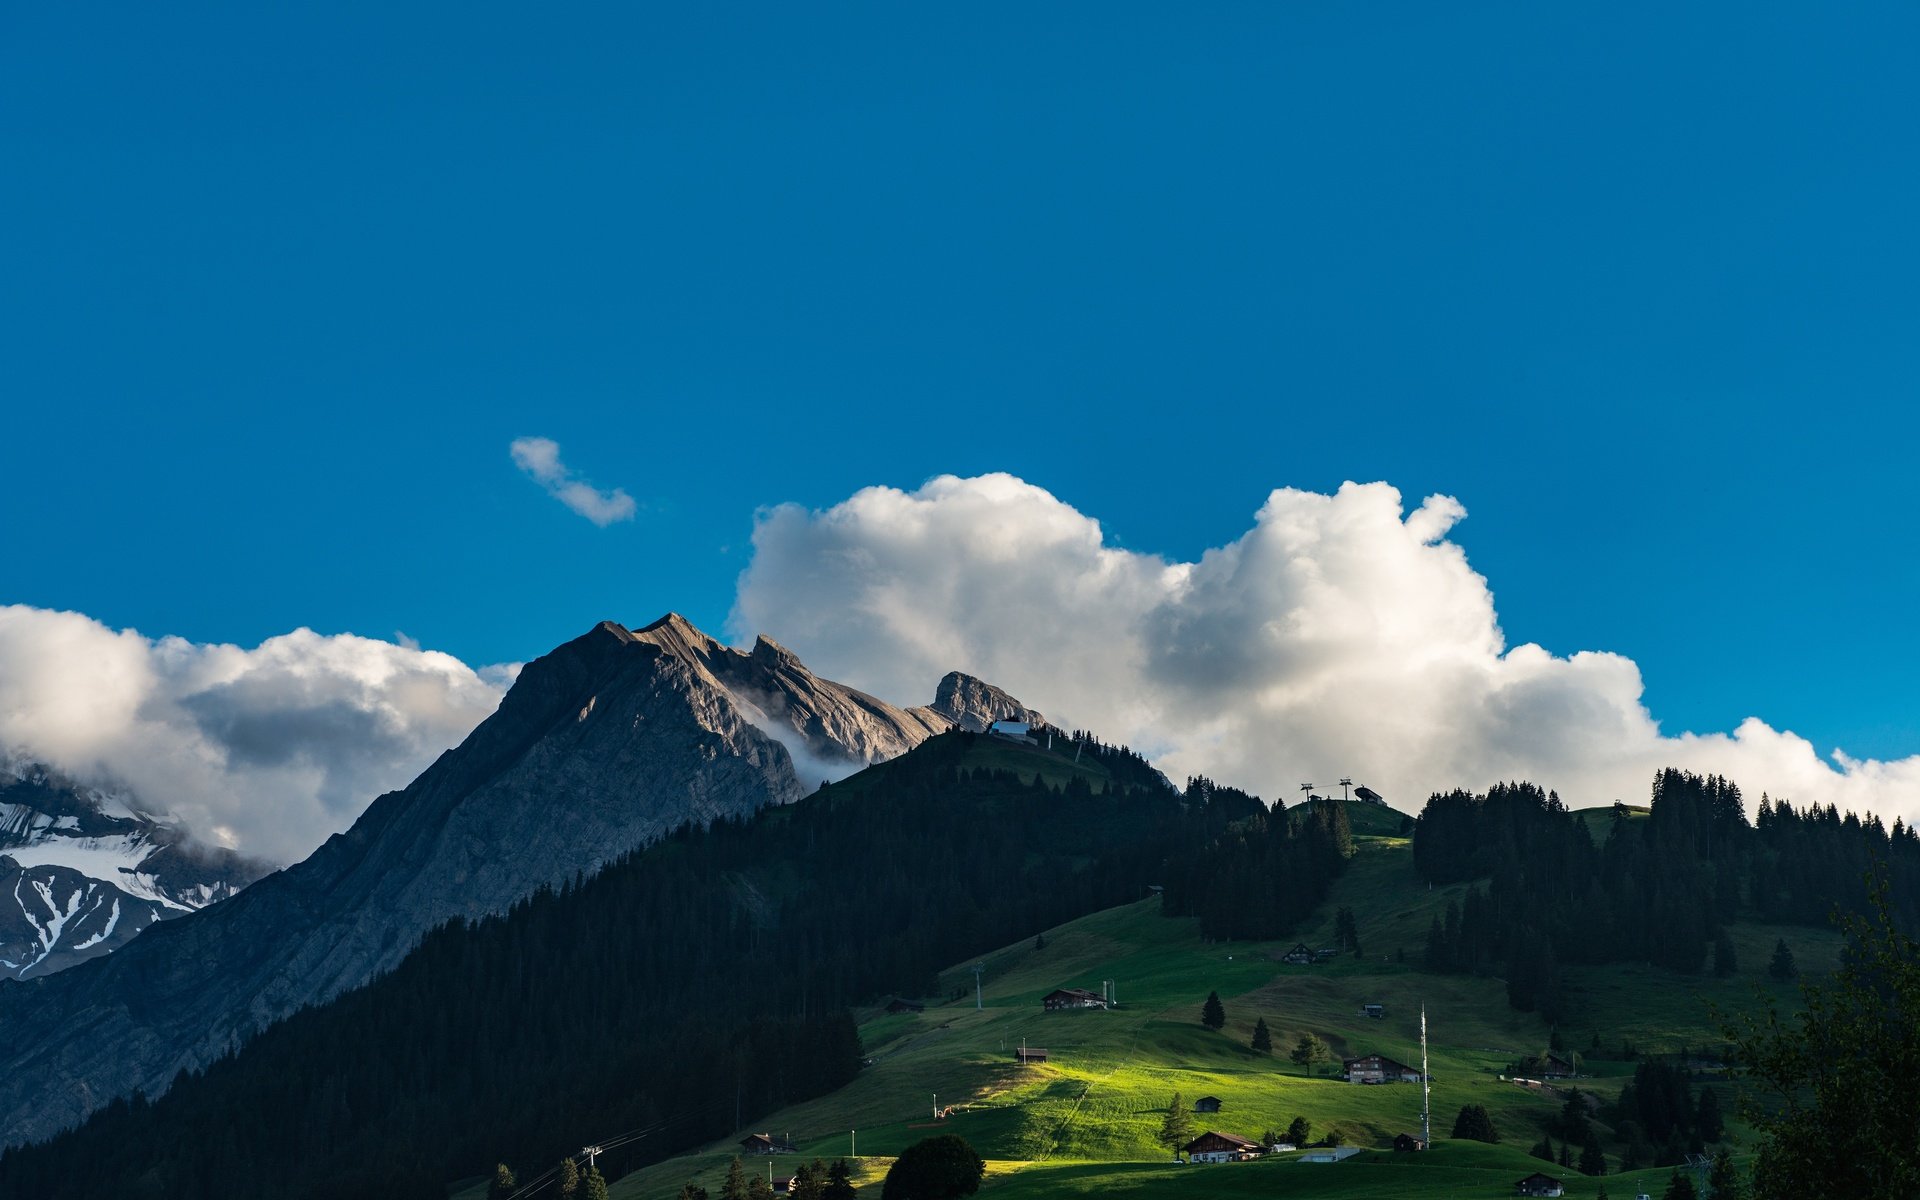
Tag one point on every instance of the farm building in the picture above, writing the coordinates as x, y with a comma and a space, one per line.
1538, 1184
897, 1005
1406, 1143
1064, 998
1012, 729
1029, 1054
1212, 1147
1378, 1068
760, 1143
1300, 955
1207, 1104
1376, 1011
1329, 1154
1555, 1067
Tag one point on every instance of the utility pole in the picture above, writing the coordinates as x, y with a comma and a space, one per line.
1308, 789
979, 1001
1426, 1085
853, 1143
1345, 783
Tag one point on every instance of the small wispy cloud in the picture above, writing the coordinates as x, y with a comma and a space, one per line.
540, 458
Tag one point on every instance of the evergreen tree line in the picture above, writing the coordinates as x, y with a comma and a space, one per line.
1250, 870
684, 990
1658, 890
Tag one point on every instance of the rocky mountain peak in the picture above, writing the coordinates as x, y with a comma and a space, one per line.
974, 704
607, 742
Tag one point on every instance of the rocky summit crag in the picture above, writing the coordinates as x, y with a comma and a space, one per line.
602, 745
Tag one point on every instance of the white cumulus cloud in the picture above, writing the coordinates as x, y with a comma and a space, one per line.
1340, 636
540, 458
269, 750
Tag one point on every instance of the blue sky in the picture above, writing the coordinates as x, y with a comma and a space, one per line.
1636, 285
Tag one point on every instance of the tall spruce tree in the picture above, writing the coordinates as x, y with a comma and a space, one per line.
593, 1185
839, 1181
735, 1186
1593, 1160
567, 1179
1213, 1014
503, 1184
1309, 1051
1781, 967
1262, 1040
1176, 1130
1299, 1131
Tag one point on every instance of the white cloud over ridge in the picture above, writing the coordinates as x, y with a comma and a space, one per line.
1340, 635
540, 458
268, 750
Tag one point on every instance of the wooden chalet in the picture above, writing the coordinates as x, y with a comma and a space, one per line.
1406, 1143
1378, 1068
1215, 1147
1301, 955
1207, 1104
761, 1143
1539, 1184
1376, 1011
1029, 1054
1065, 998
783, 1185
897, 1005
1555, 1067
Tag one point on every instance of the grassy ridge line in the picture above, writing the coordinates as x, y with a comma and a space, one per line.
1092, 1112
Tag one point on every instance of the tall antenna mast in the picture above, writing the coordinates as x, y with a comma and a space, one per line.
1426, 1086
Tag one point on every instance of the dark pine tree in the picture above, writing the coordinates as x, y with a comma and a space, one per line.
1213, 1014
1262, 1040
1781, 967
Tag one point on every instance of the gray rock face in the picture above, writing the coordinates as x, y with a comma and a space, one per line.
975, 704
601, 746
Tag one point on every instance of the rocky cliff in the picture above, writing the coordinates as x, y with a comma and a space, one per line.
602, 745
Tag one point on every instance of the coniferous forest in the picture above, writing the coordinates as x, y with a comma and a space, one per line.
1657, 890
684, 990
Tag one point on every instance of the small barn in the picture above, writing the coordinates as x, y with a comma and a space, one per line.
1378, 1068
1406, 1143
1539, 1184
1376, 1011
761, 1143
1065, 998
1207, 1104
897, 1005
1026, 1055
1555, 1067
1300, 955
1216, 1147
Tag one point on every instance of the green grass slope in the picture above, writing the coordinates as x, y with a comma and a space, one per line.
1086, 1120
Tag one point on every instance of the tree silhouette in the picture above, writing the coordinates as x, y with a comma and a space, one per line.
1213, 1014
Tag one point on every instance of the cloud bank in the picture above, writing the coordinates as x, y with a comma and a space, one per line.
540, 458
1339, 636
268, 750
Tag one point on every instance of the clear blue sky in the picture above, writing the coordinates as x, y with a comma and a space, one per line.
1636, 283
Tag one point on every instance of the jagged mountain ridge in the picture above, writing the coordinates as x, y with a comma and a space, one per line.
607, 742
82, 871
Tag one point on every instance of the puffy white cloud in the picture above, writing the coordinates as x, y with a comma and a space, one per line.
540, 458
268, 750
1340, 635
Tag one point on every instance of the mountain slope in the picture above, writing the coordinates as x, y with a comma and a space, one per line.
686, 988
83, 871
602, 745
